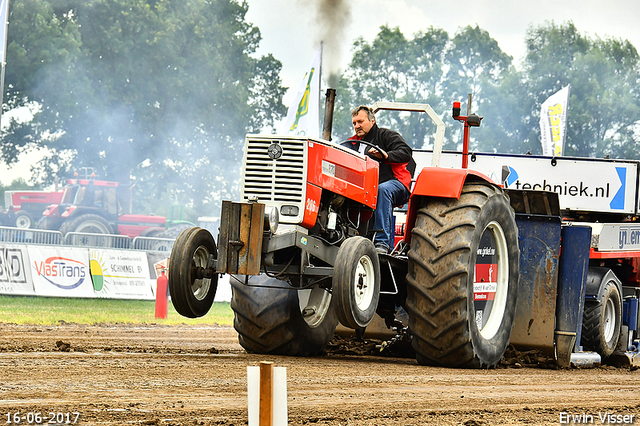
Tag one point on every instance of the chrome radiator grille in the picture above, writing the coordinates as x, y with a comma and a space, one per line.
279, 180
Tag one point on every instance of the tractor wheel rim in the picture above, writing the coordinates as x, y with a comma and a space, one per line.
609, 320
93, 227
314, 305
200, 287
23, 222
364, 280
497, 309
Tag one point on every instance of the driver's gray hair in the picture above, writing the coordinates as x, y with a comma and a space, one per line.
366, 109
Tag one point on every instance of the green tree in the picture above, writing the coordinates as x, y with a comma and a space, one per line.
604, 108
477, 66
396, 69
434, 69
161, 90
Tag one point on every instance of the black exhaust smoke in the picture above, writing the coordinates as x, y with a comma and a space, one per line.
328, 114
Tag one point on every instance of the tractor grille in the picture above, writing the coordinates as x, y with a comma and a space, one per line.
280, 180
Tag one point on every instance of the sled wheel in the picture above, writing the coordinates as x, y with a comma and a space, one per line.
601, 322
192, 279
356, 282
273, 319
462, 278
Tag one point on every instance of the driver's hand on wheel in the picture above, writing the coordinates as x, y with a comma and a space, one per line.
381, 155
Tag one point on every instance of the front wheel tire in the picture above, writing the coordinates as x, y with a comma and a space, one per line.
192, 279
356, 282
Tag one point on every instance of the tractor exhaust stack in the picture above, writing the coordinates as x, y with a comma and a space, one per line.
328, 114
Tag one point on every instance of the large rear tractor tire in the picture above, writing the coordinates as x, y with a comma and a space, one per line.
173, 231
281, 321
601, 321
88, 223
49, 223
192, 278
463, 278
356, 282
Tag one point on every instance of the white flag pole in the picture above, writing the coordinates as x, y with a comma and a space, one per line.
4, 12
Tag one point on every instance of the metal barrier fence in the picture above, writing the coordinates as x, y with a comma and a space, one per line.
85, 239
30, 236
153, 244
45, 237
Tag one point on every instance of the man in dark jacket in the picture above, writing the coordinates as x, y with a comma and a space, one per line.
396, 170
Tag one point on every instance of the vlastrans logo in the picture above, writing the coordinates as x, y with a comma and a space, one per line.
62, 272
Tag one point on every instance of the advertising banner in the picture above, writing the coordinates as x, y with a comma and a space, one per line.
60, 271
119, 274
553, 123
581, 184
15, 276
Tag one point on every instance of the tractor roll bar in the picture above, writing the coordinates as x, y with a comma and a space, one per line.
402, 106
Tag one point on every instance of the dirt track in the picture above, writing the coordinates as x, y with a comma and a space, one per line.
196, 375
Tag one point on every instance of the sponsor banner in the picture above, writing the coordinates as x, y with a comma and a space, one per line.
60, 271
616, 236
553, 122
15, 276
485, 278
581, 184
485, 284
119, 274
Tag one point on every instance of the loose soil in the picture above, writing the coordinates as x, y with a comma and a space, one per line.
196, 375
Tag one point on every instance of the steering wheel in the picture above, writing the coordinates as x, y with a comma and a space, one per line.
369, 144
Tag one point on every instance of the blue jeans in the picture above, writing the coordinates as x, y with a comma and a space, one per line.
390, 193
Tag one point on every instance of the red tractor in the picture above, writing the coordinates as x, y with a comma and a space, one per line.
24, 208
300, 253
97, 206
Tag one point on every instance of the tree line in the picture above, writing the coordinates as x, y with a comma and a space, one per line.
159, 94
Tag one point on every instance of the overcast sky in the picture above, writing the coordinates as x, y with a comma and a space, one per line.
291, 31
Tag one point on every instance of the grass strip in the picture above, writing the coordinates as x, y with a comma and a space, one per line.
53, 310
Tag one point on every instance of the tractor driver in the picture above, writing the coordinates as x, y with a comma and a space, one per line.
395, 173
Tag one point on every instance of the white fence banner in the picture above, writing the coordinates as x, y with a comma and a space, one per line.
119, 274
15, 276
60, 271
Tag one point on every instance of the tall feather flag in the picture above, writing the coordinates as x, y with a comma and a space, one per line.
553, 122
303, 118
4, 29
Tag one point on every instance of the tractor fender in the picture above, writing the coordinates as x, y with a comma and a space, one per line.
444, 182
596, 277
438, 182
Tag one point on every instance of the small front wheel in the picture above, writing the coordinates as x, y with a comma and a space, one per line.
356, 282
192, 278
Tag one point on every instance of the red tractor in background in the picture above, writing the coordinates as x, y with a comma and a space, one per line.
25, 208
300, 253
94, 206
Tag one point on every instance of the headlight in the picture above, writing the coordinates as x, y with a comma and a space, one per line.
272, 219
